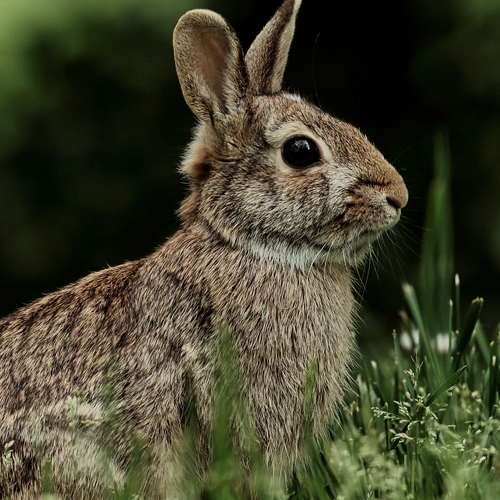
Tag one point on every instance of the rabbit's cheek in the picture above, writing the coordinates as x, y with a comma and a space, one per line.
309, 191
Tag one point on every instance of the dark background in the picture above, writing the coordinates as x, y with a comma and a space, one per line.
92, 125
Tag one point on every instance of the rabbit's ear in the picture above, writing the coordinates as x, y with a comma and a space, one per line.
210, 65
266, 58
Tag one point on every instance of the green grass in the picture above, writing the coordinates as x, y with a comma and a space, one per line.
418, 423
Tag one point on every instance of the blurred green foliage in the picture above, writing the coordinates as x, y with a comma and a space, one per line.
38, 39
458, 76
92, 125
88, 121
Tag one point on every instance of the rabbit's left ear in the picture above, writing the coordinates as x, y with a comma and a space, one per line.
267, 56
210, 65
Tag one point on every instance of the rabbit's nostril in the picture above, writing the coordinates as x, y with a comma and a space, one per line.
397, 196
394, 201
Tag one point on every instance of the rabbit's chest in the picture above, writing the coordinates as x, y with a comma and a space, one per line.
289, 316
283, 326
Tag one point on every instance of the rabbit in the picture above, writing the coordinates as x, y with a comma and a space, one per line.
285, 201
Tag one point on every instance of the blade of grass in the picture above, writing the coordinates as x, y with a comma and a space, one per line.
493, 378
401, 364
466, 333
445, 386
429, 352
482, 342
437, 253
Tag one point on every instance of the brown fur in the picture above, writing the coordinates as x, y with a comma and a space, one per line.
265, 251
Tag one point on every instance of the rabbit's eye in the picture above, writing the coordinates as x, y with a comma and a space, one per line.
300, 152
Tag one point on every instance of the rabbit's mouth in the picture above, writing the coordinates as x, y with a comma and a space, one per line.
360, 245
366, 238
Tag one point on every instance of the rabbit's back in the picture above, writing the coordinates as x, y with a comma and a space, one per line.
89, 367
60, 343
129, 322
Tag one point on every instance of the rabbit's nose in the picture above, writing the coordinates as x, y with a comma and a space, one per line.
397, 195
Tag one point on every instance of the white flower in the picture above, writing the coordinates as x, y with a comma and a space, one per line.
443, 343
409, 342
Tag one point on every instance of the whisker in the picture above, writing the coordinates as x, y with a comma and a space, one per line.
315, 258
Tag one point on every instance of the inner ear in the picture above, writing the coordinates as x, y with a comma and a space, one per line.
212, 48
199, 171
210, 66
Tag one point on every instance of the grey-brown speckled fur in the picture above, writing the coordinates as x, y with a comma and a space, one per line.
265, 251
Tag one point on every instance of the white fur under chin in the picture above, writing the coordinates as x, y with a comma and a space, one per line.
303, 257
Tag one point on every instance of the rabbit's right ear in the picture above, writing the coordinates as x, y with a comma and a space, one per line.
210, 65
267, 56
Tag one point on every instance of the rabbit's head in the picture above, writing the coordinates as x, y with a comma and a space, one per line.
269, 172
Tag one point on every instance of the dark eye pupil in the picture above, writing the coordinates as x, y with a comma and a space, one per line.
300, 152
